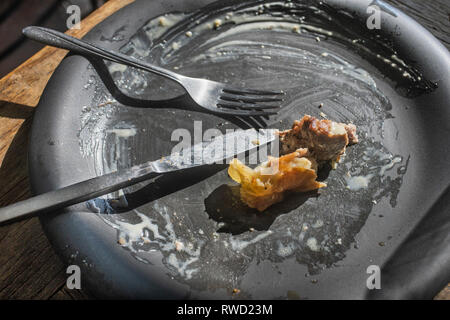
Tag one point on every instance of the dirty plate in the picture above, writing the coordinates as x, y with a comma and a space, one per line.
190, 235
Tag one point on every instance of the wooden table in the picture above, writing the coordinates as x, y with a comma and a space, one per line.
29, 268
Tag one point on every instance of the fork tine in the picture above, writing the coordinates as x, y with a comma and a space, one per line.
245, 91
231, 104
247, 99
244, 113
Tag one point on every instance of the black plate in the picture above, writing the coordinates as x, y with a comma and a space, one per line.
307, 247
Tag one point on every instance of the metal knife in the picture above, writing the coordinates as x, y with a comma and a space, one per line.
204, 154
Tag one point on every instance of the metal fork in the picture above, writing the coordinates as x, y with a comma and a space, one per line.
213, 96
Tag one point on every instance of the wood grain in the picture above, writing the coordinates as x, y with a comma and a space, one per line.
433, 15
29, 268
25, 84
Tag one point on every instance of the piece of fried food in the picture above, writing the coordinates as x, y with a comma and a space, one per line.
260, 189
309, 144
326, 140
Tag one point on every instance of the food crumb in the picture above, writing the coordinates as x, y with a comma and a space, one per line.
189, 34
256, 142
236, 291
251, 229
162, 22
381, 244
217, 23
296, 29
320, 105
314, 281
323, 115
122, 241
178, 245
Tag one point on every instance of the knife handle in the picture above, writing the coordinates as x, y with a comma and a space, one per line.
76, 193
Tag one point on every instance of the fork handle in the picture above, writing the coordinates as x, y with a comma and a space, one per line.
60, 40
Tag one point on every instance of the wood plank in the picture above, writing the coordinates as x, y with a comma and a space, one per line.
29, 267
25, 84
444, 294
433, 15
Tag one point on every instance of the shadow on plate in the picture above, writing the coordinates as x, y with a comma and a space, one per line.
225, 206
182, 102
146, 192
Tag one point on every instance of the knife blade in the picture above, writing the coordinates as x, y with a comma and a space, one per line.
207, 153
